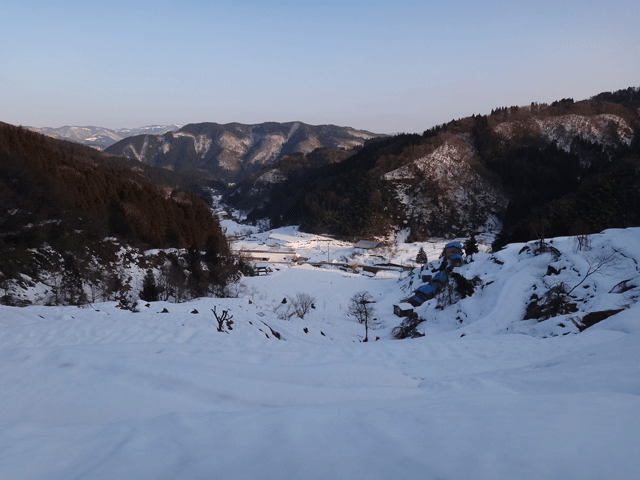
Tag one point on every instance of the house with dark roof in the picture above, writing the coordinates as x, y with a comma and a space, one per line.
403, 309
416, 301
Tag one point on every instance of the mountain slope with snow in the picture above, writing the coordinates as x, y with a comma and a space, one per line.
232, 152
514, 170
100, 137
101, 392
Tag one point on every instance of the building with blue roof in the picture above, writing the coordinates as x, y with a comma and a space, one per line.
440, 277
455, 260
452, 248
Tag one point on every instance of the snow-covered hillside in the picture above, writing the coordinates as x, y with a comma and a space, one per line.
605, 129
443, 191
100, 137
231, 152
102, 392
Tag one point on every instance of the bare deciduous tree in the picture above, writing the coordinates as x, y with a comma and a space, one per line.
299, 305
224, 319
581, 242
303, 303
285, 311
361, 307
598, 264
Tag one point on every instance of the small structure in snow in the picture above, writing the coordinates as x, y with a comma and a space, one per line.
269, 256
366, 245
416, 301
452, 248
455, 260
403, 309
440, 277
426, 292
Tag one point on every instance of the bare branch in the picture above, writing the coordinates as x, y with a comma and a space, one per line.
599, 265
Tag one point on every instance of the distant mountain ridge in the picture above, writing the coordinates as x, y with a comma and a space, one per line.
231, 152
100, 137
565, 168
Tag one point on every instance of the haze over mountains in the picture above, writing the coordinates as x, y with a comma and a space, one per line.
100, 137
558, 168
541, 164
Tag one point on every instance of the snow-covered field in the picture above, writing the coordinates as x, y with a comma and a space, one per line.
105, 393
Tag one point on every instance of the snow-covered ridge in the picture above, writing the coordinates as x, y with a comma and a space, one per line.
201, 143
563, 129
439, 164
272, 176
240, 149
442, 188
100, 137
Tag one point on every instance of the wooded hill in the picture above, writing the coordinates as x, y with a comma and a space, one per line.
559, 169
65, 197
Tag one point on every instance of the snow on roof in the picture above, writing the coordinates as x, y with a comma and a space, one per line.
404, 306
366, 244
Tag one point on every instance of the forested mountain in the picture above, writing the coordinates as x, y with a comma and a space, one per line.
558, 169
231, 152
62, 200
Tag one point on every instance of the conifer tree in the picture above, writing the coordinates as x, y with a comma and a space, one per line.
421, 257
149, 291
471, 245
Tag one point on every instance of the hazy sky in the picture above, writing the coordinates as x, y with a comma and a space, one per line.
384, 66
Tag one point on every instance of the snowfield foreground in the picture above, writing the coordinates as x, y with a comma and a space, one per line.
105, 393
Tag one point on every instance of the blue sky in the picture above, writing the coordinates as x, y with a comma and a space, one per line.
384, 66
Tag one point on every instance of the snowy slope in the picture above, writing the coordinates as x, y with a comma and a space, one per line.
231, 152
100, 137
604, 129
443, 191
108, 393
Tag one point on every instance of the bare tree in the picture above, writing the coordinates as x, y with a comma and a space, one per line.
285, 310
224, 319
557, 300
303, 303
234, 289
361, 307
581, 242
598, 264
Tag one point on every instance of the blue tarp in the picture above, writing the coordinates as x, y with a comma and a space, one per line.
440, 277
426, 289
453, 244
417, 301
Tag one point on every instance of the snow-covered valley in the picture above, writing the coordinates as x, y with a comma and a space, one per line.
102, 392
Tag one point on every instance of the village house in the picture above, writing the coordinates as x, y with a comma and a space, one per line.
455, 260
452, 248
269, 256
403, 309
366, 245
